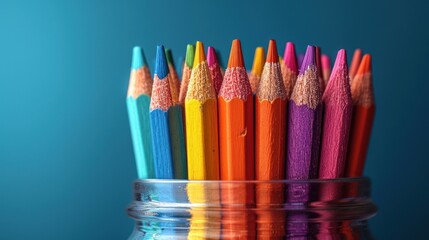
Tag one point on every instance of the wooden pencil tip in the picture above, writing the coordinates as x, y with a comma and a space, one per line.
190, 53
161, 67
199, 53
236, 55
211, 56
309, 59
272, 55
289, 58
169, 55
139, 59
341, 57
365, 65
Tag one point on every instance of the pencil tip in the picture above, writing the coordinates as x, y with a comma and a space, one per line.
309, 59
289, 58
211, 56
190, 53
272, 55
139, 59
199, 53
365, 65
236, 55
169, 56
341, 57
161, 67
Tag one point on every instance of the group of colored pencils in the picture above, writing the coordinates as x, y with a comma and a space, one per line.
285, 119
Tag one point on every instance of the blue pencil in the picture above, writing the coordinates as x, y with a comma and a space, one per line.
138, 100
160, 106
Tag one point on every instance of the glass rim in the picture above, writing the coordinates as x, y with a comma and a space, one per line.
363, 179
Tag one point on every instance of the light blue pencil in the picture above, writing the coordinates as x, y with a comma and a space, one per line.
138, 100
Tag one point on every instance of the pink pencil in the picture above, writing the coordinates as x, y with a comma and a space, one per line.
290, 69
319, 68
214, 68
337, 103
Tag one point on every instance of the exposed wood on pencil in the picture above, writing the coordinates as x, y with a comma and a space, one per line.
337, 103
174, 78
214, 68
160, 105
257, 67
201, 121
362, 118
138, 100
186, 72
290, 68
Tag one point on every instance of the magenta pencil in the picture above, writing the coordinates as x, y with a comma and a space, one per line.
305, 119
337, 103
319, 68
214, 68
290, 68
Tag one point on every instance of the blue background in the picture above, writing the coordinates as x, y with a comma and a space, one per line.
66, 160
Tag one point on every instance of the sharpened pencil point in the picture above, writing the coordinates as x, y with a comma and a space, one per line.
258, 61
161, 67
272, 55
190, 53
309, 59
139, 59
365, 65
211, 56
199, 53
289, 57
236, 55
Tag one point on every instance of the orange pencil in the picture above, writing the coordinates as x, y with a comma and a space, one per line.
270, 130
362, 118
357, 56
236, 142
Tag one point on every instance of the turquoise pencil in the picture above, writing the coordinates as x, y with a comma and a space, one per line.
138, 100
160, 109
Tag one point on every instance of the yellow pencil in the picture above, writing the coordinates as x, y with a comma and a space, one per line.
201, 121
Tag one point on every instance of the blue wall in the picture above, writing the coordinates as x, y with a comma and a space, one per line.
66, 160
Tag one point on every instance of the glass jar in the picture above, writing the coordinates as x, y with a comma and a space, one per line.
284, 209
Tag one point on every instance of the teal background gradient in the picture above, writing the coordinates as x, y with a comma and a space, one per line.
66, 159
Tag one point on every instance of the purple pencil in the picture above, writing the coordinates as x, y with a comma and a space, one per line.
305, 119
337, 102
304, 129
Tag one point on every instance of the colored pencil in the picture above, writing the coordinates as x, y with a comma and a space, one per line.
362, 118
319, 68
201, 121
178, 146
290, 68
305, 122
337, 103
357, 57
236, 128
270, 131
160, 105
257, 67
138, 101
174, 78
326, 68
214, 68
186, 72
